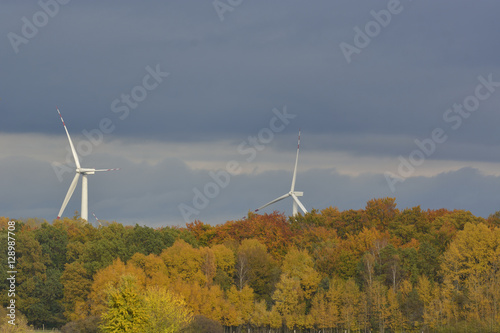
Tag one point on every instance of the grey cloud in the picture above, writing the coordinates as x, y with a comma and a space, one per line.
226, 77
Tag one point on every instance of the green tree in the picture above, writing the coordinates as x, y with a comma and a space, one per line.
109, 244
390, 266
428, 261
49, 310
145, 240
76, 285
32, 263
256, 268
54, 242
347, 264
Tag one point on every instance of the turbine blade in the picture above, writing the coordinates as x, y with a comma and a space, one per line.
69, 194
275, 200
295, 169
107, 169
75, 156
299, 203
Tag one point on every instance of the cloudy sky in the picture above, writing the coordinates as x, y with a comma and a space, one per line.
200, 104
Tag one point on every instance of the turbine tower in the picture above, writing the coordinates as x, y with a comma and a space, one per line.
79, 171
294, 194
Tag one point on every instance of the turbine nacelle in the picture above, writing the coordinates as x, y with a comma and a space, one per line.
85, 171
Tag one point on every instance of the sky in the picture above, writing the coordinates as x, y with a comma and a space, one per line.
199, 103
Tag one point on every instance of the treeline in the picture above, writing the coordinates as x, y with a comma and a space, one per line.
376, 269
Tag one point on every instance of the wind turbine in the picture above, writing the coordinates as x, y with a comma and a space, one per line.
79, 171
294, 194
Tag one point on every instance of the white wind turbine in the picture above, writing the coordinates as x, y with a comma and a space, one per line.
294, 194
79, 171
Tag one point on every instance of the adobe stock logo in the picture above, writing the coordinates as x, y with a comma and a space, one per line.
121, 106
222, 6
221, 179
454, 117
30, 28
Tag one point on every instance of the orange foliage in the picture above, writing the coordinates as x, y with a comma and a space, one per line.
110, 277
273, 230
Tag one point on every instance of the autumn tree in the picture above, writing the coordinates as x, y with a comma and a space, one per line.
350, 308
184, 262
243, 303
290, 302
225, 263
256, 268
381, 212
494, 219
272, 230
379, 303
351, 222
21, 323
299, 265
76, 285
111, 276
204, 233
429, 295
166, 312
470, 267
325, 306
126, 310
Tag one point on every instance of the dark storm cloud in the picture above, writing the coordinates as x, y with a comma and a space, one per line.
224, 74
225, 78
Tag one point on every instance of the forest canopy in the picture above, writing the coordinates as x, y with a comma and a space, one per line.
377, 269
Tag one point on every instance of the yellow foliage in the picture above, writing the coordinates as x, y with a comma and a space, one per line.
125, 308
184, 262
350, 308
424, 289
243, 302
167, 313
300, 265
153, 267
395, 318
260, 316
110, 277
471, 268
76, 289
224, 258
208, 264
288, 295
